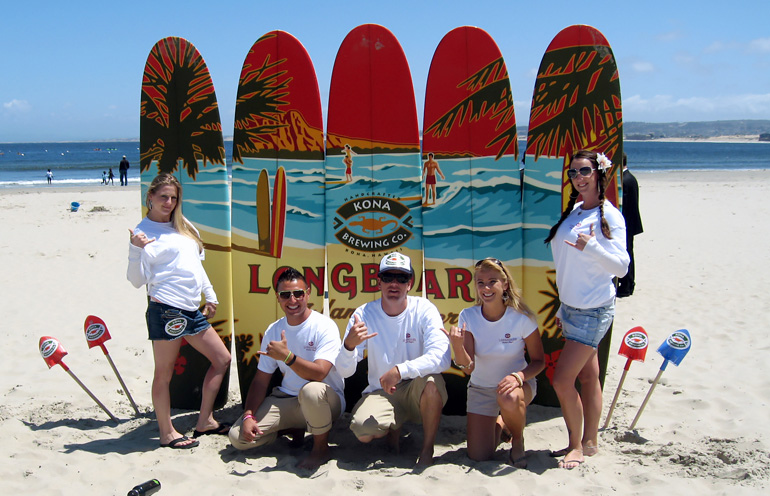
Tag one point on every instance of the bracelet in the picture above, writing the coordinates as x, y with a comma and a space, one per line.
248, 416
293, 359
286, 360
463, 367
518, 378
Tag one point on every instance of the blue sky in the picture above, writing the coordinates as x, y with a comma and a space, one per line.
74, 72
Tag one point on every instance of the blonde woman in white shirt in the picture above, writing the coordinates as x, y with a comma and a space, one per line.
165, 255
489, 344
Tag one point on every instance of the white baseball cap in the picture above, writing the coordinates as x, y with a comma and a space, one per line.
396, 261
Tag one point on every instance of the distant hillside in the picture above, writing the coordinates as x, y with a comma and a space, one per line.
710, 129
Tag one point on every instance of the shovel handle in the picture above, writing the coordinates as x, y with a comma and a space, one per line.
101, 405
615, 399
646, 398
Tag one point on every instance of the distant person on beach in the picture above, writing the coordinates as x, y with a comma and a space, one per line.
303, 346
429, 170
123, 170
165, 254
490, 345
633, 227
589, 249
104, 178
49, 176
401, 336
111, 177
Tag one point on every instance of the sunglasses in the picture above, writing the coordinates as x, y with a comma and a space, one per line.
297, 293
388, 277
584, 171
493, 260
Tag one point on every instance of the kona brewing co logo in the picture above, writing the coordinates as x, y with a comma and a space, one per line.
373, 224
636, 340
48, 347
679, 341
94, 332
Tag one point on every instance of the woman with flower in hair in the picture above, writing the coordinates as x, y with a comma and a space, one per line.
165, 254
589, 249
489, 345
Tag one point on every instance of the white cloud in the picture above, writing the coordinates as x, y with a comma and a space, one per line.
669, 36
642, 66
760, 45
18, 106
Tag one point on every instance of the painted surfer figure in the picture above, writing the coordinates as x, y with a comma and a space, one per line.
165, 256
489, 345
407, 351
429, 170
303, 345
348, 161
589, 249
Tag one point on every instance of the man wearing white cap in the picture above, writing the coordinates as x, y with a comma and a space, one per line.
406, 352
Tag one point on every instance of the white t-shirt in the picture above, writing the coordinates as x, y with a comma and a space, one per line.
317, 338
498, 346
413, 341
170, 266
584, 278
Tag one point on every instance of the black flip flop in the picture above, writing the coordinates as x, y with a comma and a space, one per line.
175, 443
222, 430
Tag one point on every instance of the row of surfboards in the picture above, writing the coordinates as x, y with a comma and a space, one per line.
331, 202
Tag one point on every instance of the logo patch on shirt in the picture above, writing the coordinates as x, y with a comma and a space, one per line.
507, 339
175, 327
409, 339
310, 346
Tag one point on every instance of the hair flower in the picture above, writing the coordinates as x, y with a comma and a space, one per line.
603, 161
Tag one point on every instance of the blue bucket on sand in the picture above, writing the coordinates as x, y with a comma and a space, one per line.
74, 206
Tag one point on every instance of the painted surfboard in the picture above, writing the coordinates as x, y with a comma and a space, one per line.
472, 197
181, 134
373, 197
575, 105
277, 147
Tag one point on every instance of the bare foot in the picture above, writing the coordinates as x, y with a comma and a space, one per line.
572, 459
588, 450
426, 458
315, 459
517, 455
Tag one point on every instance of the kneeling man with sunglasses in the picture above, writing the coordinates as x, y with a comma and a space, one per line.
406, 352
303, 345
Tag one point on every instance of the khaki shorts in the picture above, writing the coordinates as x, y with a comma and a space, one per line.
483, 400
378, 412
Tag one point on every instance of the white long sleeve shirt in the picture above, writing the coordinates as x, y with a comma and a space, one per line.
412, 341
170, 266
584, 278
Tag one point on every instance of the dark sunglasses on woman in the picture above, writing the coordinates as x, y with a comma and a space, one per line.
584, 171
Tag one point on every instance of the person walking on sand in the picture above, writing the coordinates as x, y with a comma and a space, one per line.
49, 176
429, 170
401, 336
111, 177
633, 220
589, 249
123, 170
104, 178
303, 345
165, 255
490, 344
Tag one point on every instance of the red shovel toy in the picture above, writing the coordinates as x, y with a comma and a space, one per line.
96, 334
53, 352
633, 347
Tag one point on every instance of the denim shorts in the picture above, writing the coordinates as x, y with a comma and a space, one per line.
167, 323
586, 325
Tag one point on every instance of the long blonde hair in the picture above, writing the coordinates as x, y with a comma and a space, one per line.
511, 296
178, 220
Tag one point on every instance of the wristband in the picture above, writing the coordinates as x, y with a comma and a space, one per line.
248, 416
286, 360
518, 378
463, 367
293, 359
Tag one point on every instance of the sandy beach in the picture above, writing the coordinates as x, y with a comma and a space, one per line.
705, 431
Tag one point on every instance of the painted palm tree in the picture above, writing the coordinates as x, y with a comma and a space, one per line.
490, 97
187, 127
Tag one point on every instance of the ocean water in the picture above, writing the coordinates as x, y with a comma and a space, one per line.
79, 163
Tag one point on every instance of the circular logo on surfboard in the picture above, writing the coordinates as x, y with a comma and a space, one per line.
373, 224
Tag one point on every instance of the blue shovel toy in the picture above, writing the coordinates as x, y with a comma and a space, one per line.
673, 349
